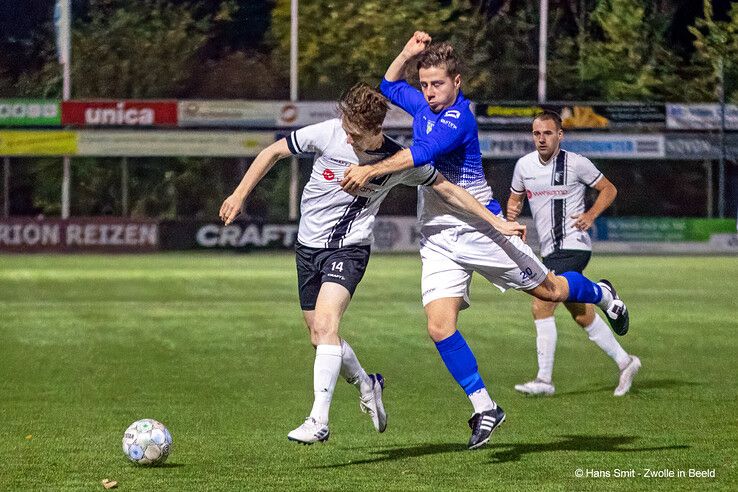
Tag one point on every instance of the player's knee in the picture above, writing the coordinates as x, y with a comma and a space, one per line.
440, 330
541, 310
323, 328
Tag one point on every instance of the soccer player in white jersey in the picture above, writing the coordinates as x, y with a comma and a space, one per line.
335, 234
555, 182
454, 245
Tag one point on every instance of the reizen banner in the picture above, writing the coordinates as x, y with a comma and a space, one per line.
96, 234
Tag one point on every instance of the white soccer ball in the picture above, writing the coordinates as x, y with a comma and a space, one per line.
147, 442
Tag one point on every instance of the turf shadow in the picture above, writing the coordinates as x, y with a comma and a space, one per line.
392, 454
638, 385
503, 453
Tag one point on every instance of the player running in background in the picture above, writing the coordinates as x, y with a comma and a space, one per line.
555, 182
334, 237
452, 245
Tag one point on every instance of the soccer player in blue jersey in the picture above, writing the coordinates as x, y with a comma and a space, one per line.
454, 245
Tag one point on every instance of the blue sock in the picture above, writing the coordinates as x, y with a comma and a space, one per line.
582, 289
460, 362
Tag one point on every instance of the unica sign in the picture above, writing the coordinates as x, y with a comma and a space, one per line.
119, 113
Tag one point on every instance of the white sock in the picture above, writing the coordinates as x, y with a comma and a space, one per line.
606, 298
352, 371
546, 347
601, 334
325, 374
481, 401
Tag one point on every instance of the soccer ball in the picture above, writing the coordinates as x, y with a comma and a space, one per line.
147, 442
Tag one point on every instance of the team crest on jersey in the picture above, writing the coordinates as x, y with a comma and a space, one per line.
452, 113
328, 175
559, 176
429, 126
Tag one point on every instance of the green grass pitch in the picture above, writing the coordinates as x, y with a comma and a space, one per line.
215, 347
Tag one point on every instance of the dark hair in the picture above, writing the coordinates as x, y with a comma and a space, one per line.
364, 106
440, 55
548, 115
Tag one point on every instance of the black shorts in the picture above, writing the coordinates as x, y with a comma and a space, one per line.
343, 266
567, 260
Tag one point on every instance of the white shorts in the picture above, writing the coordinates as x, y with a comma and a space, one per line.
451, 253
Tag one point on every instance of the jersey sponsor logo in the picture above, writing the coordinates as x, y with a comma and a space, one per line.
339, 162
449, 124
452, 113
547, 193
328, 175
529, 194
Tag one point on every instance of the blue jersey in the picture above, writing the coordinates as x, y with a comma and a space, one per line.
449, 141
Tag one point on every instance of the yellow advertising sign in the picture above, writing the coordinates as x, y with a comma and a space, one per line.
37, 143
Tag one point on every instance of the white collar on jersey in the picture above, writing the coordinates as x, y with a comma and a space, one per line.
552, 159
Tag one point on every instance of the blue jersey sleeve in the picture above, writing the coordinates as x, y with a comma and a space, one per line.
402, 94
447, 135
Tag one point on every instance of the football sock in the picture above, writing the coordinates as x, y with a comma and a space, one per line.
462, 365
601, 334
325, 374
583, 290
546, 347
352, 371
481, 401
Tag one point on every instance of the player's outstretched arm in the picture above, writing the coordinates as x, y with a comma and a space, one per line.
266, 159
417, 43
514, 204
461, 199
607, 194
357, 177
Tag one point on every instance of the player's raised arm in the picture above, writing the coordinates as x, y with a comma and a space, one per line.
266, 159
415, 45
463, 200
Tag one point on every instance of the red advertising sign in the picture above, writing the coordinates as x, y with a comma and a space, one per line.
119, 113
104, 235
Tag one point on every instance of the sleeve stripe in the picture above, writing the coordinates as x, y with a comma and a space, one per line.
516, 191
292, 144
432, 178
596, 179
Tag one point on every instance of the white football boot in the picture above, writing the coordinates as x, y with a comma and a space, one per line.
372, 404
536, 387
627, 375
309, 432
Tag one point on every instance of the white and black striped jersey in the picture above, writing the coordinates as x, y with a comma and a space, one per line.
330, 217
555, 191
